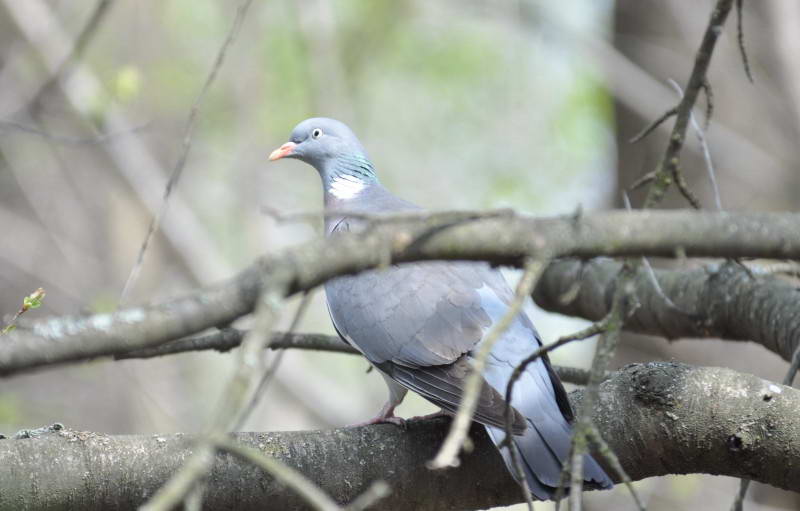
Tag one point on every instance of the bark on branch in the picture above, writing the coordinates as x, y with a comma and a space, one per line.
500, 238
660, 418
721, 301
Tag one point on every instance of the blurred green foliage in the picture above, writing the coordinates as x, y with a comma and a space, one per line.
10, 409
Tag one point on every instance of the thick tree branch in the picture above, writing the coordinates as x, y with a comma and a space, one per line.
660, 418
505, 239
714, 301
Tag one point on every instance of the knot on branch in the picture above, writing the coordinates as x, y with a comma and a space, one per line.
656, 384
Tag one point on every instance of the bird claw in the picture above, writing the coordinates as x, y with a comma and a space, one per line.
391, 419
386, 416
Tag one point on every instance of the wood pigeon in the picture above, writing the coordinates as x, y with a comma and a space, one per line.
419, 324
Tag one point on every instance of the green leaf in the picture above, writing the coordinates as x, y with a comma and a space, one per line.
34, 300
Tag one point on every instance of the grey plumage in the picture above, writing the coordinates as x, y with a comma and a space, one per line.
419, 324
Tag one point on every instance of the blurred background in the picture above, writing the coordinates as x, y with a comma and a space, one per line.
461, 104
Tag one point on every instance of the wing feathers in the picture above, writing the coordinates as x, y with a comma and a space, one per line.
443, 386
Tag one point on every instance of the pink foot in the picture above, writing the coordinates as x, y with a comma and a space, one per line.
397, 421
386, 416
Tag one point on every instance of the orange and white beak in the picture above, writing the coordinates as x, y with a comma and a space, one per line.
283, 151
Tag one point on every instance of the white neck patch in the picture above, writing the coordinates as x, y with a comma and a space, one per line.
345, 187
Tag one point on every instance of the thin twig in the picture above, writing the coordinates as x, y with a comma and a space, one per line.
709, 103
561, 489
453, 216
683, 186
232, 406
183, 481
594, 329
651, 274
602, 447
644, 180
515, 375
62, 139
788, 380
653, 125
273, 368
293, 479
229, 338
668, 171
590, 331
241, 11
649, 269
376, 491
738, 502
575, 498
516, 462
669, 166
740, 39
623, 306
194, 501
706, 151
448, 453
32, 301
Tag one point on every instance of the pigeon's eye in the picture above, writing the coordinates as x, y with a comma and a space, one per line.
316, 133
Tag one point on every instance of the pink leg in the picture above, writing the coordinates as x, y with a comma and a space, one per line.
386, 416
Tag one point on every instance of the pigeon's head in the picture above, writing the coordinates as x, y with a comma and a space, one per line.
321, 142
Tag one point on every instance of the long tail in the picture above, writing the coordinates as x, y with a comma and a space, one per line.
545, 444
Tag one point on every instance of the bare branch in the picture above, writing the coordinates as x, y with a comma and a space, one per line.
644, 180
683, 187
714, 301
704, 145
635, 405
62, 139
653, 125
270, 371
669, 169
227, 339
655, 233
740, 39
